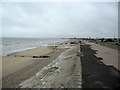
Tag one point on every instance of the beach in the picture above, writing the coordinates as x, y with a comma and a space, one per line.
63, 72
58, 65
21, 65
15, 61
70, 64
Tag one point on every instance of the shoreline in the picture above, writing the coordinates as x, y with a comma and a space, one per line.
16, 69
38, 44
13, 63
92, 63
19, 50
63, 72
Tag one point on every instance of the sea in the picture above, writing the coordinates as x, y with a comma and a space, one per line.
12, 45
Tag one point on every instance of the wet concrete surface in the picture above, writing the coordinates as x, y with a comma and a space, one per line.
96, 74
64, 72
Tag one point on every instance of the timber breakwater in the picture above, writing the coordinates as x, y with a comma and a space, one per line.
64, 72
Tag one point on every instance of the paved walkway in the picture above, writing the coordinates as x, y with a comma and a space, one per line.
95, 73
108, 55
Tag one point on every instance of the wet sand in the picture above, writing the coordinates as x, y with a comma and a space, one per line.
19, 60
21, 66
99, 67
61, 70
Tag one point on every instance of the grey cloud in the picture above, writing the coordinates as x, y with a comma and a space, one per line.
61, 19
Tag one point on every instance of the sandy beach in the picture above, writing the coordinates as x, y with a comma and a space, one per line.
63, 72
12, 64
19, 66
66, 65
59, 45
61, 69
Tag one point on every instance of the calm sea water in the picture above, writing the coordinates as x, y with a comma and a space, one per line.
12, 45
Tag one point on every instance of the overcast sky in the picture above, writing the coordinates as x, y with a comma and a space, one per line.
52, 19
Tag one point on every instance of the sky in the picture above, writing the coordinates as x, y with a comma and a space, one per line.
59, 19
